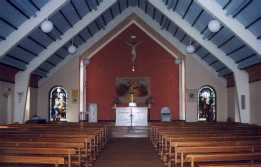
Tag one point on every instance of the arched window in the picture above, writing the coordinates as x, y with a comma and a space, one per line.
207, 104
57, 104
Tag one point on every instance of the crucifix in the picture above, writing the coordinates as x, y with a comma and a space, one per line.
133, 52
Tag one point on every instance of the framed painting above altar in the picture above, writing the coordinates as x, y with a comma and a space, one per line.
135, 89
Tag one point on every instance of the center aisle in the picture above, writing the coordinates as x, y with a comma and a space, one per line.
129, 152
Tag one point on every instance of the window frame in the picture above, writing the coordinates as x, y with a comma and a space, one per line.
50, 101
212, 89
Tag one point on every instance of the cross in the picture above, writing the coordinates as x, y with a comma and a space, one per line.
133, 50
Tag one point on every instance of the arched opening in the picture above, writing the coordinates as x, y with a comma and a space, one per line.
207, 103
57, 104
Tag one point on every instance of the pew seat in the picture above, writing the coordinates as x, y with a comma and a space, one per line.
232, 165
222, 157
183, 151
37, 160
67, 153
78, 145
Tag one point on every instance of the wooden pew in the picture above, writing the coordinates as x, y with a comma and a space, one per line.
183, 151
87, 140
203, 141
232, 165
66, 154
90, 148
52, 145
17, 159
168, 139
222, 157
52, 142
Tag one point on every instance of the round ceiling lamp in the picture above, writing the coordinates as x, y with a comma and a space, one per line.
72, 49
46, 26
190, 48
214, 25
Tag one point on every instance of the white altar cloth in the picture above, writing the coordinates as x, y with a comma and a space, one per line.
131, 116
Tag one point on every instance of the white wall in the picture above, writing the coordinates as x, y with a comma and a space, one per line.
197, 75
33, 101
231, 102
6, 102
255, 105
255, 102
68, 77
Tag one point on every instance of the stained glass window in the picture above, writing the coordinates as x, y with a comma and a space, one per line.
207, 104
58, 104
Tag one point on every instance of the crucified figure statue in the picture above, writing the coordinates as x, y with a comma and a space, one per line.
133, 50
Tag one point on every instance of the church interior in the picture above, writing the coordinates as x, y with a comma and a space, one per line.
130, 83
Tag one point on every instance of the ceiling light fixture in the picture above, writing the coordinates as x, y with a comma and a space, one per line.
46, 26
72, 48
190, 48
214, 25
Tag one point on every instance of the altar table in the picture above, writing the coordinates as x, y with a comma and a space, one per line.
131, 116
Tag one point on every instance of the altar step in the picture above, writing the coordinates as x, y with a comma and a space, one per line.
129, 132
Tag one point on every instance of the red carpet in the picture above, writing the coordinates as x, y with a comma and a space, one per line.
129, 152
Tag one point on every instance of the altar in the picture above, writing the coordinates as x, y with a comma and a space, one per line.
131, 116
